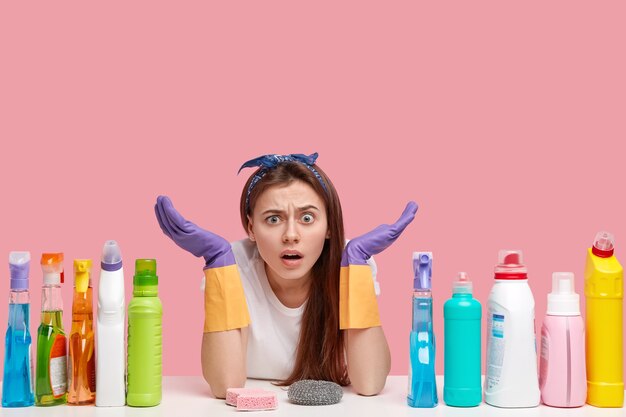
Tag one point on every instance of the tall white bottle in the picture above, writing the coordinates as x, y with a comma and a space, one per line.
511, 377
111, 360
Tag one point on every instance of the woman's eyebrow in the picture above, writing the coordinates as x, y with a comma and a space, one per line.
308, 207
303, 208
271, 211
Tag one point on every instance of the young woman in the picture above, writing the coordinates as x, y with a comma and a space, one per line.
292, 301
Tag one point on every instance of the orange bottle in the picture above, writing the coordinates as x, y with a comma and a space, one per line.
82, 364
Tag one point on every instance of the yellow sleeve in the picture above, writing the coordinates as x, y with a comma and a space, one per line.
225, 305
358, 307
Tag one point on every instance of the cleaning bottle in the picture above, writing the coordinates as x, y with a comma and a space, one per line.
144, 337
111, 361
82, 363
17, 385
462, 314
562, 376
604, 290
511, 378
422, 383
51, 368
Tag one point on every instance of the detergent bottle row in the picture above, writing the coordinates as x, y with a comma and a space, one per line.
71, 375
581, 361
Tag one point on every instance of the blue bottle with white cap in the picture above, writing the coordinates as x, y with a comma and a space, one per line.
17, 385
422, 383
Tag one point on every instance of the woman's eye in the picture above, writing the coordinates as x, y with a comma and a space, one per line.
272, 219
307, 218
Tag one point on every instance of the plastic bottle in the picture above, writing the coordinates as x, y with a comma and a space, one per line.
17, 385
51, 368
604, 290
511, 379
562, 376
82, 363
111, 363
144, 337
422, 383
462, 314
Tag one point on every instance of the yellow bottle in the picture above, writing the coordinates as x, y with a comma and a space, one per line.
604, 290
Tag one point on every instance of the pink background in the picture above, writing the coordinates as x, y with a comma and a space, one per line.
505, 122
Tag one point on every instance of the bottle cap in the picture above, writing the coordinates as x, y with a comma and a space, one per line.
145, 273
52, 267
563, 300
510, 265
462, 285
111, 256
603, 245
19, 265
82, 274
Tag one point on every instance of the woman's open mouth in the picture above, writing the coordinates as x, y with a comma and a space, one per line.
291, 258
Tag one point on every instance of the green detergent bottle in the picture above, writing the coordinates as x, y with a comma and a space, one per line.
461, 351
144, 337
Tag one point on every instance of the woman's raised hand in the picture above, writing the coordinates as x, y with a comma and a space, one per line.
215, 249
360, 249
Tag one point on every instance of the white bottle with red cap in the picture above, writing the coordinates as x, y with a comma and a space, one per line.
511, 378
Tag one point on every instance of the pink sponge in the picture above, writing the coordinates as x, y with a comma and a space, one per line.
233, 393
257, 401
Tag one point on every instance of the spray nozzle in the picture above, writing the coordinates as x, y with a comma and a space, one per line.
604, 245
82, 271
19, 264
422, 270
52, 267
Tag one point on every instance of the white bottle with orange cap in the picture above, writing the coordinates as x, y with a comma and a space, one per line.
511, 378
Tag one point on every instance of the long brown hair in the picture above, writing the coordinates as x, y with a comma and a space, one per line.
320, 351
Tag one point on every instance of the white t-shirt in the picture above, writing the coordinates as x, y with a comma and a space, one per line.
274, 328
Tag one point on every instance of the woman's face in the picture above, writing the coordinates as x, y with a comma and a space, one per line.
289, 226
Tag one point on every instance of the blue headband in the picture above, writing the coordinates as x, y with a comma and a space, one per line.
267, 162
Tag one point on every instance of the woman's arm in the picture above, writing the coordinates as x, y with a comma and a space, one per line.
224, 360
368, 359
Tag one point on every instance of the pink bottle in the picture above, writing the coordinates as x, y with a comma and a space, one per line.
562, 371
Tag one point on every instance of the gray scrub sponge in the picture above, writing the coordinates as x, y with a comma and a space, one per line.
312, 392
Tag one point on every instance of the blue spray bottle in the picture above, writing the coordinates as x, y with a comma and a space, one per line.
17, 386
422, 383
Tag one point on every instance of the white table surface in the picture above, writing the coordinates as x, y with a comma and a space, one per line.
190, 396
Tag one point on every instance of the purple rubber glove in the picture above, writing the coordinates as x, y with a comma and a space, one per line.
216, 250
360, 249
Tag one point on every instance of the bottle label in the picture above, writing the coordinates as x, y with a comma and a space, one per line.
496, 349
58, 366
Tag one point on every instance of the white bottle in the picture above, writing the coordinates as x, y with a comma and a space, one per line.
111, 360
511, 378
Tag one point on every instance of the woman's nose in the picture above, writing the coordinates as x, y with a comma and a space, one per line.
291, 232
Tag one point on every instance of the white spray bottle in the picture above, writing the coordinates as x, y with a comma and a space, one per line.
111, 360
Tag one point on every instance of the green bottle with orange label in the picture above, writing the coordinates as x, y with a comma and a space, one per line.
51, 370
